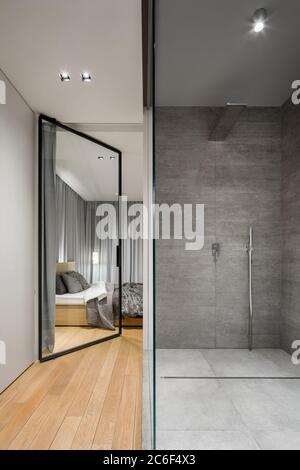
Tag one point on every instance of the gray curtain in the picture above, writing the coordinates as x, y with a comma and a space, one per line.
49, 236
71, 222
77, 240
105, 270
132, 254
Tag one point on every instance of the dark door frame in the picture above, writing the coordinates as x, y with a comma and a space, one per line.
44, 118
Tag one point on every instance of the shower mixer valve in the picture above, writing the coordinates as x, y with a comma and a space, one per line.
215, 249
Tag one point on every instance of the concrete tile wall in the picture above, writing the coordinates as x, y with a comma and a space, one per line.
248, 185
200, 304
290, 225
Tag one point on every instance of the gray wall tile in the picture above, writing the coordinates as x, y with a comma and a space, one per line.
290, 225
239, 181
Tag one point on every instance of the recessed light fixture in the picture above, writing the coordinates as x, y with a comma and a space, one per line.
259, 20
86, 77
112, 157
64, 76
101, 157
259, 26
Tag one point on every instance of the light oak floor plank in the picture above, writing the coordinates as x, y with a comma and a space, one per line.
47, 410
68, 337
109, 414
88, 399
16, 414
124, 435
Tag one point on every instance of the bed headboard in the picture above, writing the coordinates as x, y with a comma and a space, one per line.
64, 267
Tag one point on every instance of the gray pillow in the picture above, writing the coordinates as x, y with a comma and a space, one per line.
85, 285
60, 286
72, 284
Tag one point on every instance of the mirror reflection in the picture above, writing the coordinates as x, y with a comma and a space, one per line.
80, 295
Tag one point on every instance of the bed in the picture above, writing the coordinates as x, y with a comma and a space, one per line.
132, 304
71, 308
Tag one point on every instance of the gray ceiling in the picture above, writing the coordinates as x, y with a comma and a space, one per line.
78, 165
207, 55
40, 38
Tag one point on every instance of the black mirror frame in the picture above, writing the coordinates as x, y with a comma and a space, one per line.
44, 118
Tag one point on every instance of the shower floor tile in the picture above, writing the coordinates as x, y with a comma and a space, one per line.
228, 414
195, 405
182, 363
283, 360
265, 405
278, 440
206, 440
244, 363
218, 412
225, 363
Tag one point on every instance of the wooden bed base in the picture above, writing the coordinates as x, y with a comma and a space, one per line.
75, 315
71, 315
131, 322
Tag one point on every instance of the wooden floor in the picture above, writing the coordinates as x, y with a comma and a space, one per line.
90, 399
67, 337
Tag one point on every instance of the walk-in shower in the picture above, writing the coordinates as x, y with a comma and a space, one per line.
226, 316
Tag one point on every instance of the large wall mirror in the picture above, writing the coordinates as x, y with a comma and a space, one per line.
79, 250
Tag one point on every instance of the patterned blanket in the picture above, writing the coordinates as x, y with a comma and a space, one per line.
132, 300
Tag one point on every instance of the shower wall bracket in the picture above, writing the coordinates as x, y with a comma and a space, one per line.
215, 250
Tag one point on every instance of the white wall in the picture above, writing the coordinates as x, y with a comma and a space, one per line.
17, 235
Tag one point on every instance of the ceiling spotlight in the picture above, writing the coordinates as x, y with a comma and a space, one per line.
112, 157
101, 158
259, 26
259, 20
86, 77
64, 76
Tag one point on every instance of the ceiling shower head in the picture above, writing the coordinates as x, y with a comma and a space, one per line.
241, 105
